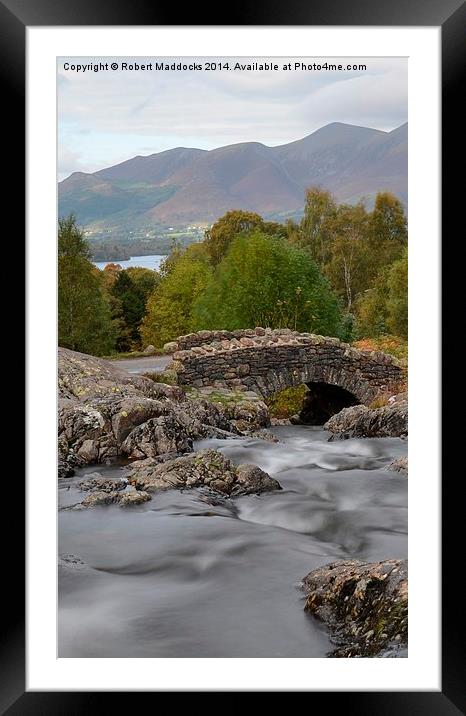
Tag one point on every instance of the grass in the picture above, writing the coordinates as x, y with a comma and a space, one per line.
231, 398
286, 402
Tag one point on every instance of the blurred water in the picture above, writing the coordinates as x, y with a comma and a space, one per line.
187, 576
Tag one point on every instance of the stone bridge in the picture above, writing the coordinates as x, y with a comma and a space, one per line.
266, 361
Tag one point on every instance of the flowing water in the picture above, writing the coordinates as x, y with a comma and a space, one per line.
187, 576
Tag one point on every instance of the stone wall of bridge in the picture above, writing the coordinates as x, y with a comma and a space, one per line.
267, 361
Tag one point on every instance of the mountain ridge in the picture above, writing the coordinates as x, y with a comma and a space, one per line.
186, 185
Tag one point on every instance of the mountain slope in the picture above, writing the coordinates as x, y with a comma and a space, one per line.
185, 185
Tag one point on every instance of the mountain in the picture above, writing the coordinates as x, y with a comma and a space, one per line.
186, 186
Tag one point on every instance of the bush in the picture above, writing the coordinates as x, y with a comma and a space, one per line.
264, 281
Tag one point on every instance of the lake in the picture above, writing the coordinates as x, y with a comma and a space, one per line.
149, 262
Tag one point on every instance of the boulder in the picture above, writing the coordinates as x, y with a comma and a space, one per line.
100, 497
84, 376
359, 421
94, 482
104, 413
123, 499
131, 412
365, 605
165, 434
236, 411
136, 497
206, 468
149, 350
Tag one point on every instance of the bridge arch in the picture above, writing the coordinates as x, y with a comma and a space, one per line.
266, 361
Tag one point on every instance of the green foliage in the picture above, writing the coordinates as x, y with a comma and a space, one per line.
219, 237
383, 309
346, 266
341, 271
286, 402
128, 309
263, 280
144, 279
371, 308
397, 304
130, 290
351, 245
84, 320
388, 227
185, 275
348, 327
314, 231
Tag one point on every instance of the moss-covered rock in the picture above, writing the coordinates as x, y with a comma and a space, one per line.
365, 605
206, 468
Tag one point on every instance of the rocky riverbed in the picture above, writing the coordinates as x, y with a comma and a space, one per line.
223, 515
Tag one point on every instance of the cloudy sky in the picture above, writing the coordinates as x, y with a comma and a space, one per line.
108, 116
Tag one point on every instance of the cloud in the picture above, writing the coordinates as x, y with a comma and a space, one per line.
106, 117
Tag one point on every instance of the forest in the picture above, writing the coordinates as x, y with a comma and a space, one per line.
341, 271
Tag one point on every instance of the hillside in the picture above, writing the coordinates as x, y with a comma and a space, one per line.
186, 186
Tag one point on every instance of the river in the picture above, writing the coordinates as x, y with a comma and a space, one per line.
149, 262
185, 576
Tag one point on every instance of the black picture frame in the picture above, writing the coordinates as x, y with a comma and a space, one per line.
15, 17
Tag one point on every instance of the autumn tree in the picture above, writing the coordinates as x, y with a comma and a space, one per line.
109, 275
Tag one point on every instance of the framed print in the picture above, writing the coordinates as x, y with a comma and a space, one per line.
225, 228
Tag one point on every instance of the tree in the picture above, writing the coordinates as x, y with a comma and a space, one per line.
109, 275
383, 309
170, 306
397, 304
387, 231
129, 309
346, 267
314, 235
220, 235
371, 308
265, 281
130, 291
84, 321
145, 279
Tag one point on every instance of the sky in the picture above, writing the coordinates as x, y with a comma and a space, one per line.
107, 116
